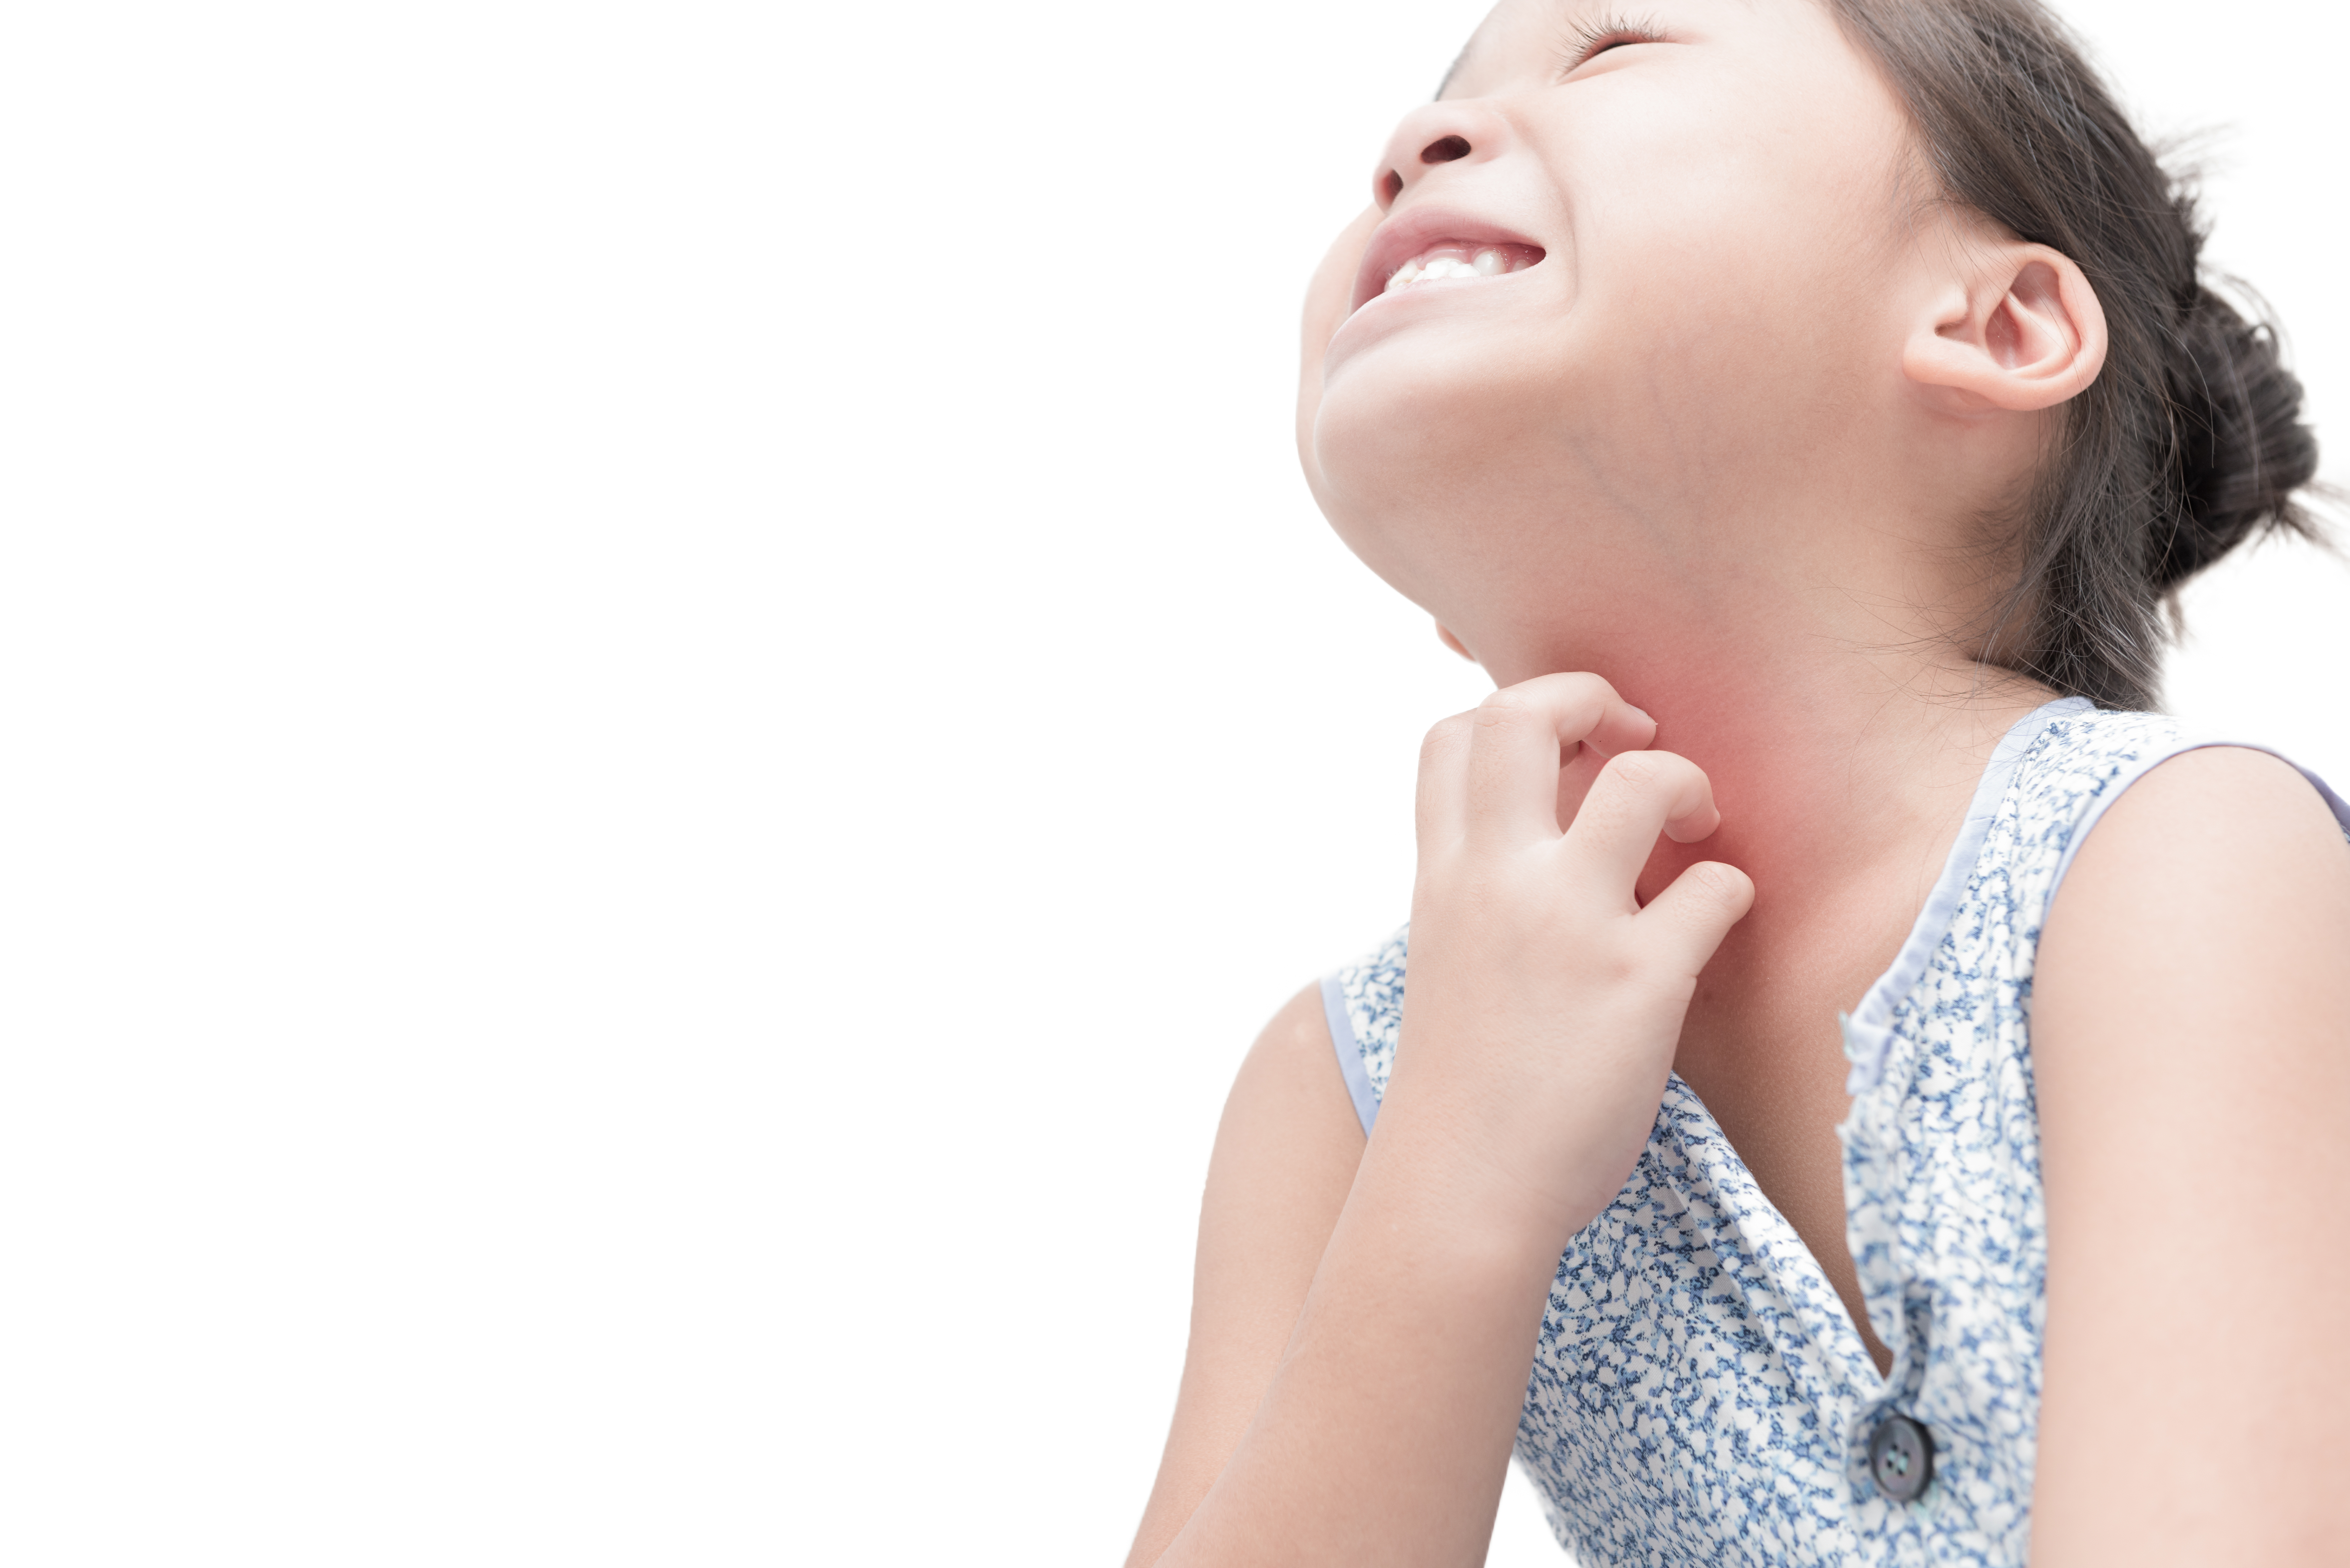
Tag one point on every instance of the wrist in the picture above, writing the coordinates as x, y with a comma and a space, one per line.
1433, 1168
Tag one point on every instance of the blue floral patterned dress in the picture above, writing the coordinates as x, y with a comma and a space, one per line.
1699, 1394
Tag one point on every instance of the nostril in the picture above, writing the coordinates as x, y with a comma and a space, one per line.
1391, 187
1445, 150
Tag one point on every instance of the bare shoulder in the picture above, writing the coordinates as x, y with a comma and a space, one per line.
1284, 1160
2201, 939
2219, 878
2229, 798
1290, 1098
2190, 1048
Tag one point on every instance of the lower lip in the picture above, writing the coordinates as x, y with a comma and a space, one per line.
1381, 312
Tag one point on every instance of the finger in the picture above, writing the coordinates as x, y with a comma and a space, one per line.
1443, 782
1521, 737
1693, 914
1636, 796
1621, 728
1574, 780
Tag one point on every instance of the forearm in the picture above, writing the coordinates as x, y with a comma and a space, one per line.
1385, 1430
1546, 1002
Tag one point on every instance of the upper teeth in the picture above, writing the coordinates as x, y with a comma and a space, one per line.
1455, 259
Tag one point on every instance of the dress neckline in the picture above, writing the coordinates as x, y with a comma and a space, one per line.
1867, 1036
1868, 1028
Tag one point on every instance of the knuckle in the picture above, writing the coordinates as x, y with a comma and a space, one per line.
1640, 769
1585, 684
1657, 772
1443, 739
1718, 884
1508, 706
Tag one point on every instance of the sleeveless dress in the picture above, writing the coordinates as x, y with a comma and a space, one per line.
1698, 1393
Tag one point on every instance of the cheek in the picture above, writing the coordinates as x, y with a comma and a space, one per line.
1332, 287
1744, 285
1759, 217
1327, 295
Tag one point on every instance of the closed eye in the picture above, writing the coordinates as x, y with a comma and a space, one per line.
1591, 39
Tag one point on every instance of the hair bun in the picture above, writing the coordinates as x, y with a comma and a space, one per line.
2241, 449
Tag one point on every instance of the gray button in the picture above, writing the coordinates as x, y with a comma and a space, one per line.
1901, 1458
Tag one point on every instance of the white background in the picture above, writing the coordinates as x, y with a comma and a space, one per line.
670, 708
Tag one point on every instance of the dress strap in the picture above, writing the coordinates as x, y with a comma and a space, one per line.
1350, 1053
2140, 766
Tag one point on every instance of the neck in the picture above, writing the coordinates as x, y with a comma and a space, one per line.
1829, 759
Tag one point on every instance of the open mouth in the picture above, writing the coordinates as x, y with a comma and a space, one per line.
1461, 258
1430, 246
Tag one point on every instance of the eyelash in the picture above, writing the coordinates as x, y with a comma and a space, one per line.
1596, 38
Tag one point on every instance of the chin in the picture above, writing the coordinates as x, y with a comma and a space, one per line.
1430, 425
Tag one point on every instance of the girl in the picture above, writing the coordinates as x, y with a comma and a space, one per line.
1800, 1135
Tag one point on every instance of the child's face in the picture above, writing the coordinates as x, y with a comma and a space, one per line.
1718, 299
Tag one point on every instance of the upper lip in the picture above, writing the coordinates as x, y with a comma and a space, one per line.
1405, 234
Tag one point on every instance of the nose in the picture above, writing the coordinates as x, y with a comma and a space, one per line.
1459, 132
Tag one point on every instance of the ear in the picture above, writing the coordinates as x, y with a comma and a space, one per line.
2025, 332
1444, 634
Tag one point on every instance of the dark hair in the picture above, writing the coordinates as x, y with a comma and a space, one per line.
2189, 440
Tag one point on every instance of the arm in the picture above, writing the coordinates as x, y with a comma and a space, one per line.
1286, 1154
2191, 1039
1373, 1423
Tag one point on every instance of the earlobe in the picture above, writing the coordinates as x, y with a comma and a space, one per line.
2025, 332
1444, 634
